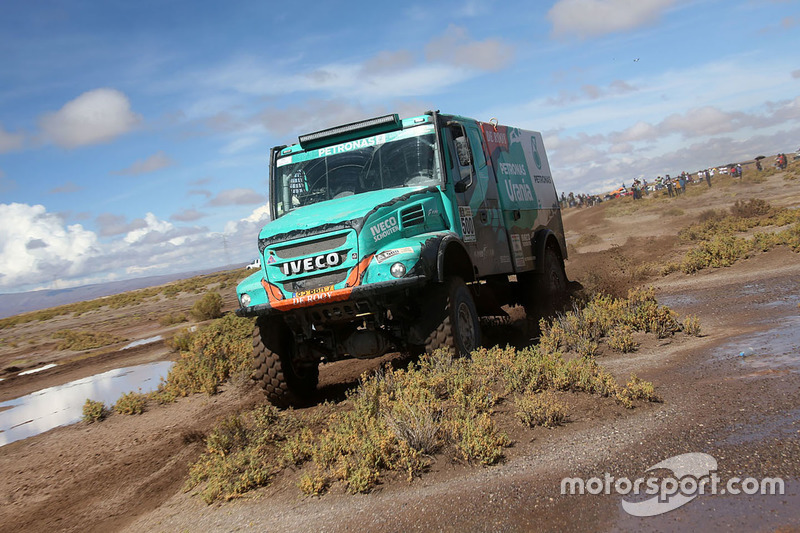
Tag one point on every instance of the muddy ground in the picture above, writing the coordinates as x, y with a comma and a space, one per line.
127, 472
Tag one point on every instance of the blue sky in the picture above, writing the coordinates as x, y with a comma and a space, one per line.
134, 137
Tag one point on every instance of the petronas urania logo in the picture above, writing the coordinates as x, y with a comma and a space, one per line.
536, 158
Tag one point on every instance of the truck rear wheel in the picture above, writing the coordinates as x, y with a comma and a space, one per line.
284, 380
544, 294
455, 318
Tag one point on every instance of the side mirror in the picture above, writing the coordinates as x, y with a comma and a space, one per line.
462, 148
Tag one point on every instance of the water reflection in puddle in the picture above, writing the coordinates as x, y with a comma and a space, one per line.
142, 342
46, 409
35, 370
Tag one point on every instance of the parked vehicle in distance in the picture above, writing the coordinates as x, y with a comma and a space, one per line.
255, 265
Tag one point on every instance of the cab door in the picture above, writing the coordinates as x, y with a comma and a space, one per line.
478, 201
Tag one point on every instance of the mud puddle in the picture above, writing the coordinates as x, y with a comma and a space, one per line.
775, 348
49, 408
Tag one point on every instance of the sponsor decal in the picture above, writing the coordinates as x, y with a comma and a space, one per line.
495, 137
311, 264
352, 145
539, 178
271, 259
513, 169
519, 192
467, 223
383, 256
384, 228
519, 256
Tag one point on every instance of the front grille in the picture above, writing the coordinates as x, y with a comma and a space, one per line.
412, 216
315, 282
323, 244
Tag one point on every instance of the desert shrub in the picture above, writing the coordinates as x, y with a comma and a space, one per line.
755, 207
396, 419
228, 435
710, 214
93, 411
132, 403
170, 319
182, 340
84, 340
215, 352
621, 340
582, 329
208, 307
540, 409
636, 389
691, 326
720, 251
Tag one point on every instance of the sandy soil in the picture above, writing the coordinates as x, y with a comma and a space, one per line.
127, 472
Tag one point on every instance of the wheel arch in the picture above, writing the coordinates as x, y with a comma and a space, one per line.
453, 260
545, 239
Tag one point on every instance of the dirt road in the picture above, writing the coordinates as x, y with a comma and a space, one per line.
127, 472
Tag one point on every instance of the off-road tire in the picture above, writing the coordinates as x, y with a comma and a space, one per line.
285, 384
545, 294
453, 318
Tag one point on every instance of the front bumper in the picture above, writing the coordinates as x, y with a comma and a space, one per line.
355, 295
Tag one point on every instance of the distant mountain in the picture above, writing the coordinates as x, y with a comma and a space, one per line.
24, 302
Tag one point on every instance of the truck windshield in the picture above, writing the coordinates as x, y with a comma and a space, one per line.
406, 158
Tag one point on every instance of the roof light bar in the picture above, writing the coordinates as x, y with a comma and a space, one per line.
373, 126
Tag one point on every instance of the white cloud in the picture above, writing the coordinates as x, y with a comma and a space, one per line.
36, 245
10, 142
95, 117
151, 225
591, 18
157, 161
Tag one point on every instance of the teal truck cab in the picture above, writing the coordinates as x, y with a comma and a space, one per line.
392, 234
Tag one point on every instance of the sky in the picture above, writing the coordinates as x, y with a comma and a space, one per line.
135, 136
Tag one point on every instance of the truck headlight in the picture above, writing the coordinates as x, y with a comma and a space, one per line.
398, 270
245, 299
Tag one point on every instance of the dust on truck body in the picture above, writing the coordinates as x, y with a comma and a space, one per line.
393, 234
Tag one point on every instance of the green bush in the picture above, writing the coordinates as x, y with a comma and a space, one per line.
85, 340
93, 411
132, 403
215, 352
540, 409
182, 340
170, 319
208, 307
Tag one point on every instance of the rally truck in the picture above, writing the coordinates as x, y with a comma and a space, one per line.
397, 234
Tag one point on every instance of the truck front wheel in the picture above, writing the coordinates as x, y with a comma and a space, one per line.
284, 379
455, 319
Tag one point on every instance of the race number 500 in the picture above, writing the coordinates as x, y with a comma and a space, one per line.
467, 223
